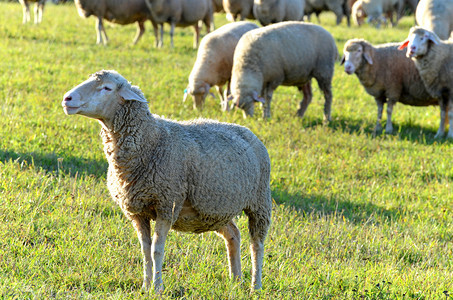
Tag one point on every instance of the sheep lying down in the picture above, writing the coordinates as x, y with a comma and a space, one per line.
193, 176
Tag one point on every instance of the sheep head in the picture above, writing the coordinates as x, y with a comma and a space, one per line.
354, 53
418, 42
198, 93
246, 101
100, 96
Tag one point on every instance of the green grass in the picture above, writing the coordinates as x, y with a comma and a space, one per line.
355, 216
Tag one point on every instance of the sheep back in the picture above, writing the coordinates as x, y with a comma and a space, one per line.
436, 16
274, 11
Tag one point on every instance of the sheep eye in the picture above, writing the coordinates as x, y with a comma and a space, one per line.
107, 88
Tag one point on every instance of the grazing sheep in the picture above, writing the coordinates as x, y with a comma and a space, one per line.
191, 176
339, 7
215, 61
286, 53
39, 9
387, 75
116, 11
375, 9
241, 9
275, 11
436, 15
181, 13
433, 59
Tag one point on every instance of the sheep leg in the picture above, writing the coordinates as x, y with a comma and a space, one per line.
140, 31
26, 12
306, 100
388, 125
172, 31
156, 34
100, 30
268, 92
232, 237
258, 226
326, 87
380, 105
157, 252
36, 12
223, 99
142, 226
450, 119
196, 35
443, 114
161, 42
40, 10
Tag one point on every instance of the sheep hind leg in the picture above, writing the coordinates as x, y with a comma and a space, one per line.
232, 236
306, 100
258, 226
389, 126
443, 116
196, 36
157, 252
142, 226
380, 105
26, 12
100, 30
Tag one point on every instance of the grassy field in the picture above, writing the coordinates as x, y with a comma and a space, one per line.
355, 216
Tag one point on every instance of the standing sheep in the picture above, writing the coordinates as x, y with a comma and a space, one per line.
238, 8
339, 7
387, 75
39, 9
181, 13
433, 59
375, 9
191, 176
215, 61
275, 11
116, 11
287, 53
436, 15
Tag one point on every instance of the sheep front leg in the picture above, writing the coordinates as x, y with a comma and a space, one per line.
389, 126
142, 226
450, 119
100, 30
232, 237
140, 31
443, 114
380, 105
306, 100
268, 92
157, 251
26, 12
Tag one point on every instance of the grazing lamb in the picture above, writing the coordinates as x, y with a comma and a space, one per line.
241, 9
436, 15
181, 13
116, 11
286, 53
434, 61
339, 7
39, 9
275, 11
215, 61
387, 75
193, 176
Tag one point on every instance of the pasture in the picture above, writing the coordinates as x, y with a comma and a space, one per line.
355, 216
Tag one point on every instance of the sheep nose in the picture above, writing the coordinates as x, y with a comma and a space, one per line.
68, 98
412, 48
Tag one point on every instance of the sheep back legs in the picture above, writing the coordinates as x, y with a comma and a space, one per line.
232, 237
140, 31
157, 252
306, 100
101, 30
142, 226
389, 126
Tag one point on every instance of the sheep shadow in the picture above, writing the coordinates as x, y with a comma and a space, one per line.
54, 163
356, 213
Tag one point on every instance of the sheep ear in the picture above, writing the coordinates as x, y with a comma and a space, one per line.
368, 58
343, 59
186, 93
433, 38
403, 45
257, 98
130, 94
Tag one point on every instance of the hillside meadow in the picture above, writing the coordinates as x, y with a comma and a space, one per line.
356, 215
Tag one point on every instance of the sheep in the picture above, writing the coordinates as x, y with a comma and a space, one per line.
217, 6
339, 7
39, 9
181, 13
287, 53
116, 11
241, 9
436, 15
387, 75
274, 11
215, 61
192, 176
375, 9
357, 13
433, 59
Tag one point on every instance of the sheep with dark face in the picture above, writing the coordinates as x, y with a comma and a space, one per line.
193, 176
433, 59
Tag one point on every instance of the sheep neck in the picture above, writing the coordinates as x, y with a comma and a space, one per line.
366, 74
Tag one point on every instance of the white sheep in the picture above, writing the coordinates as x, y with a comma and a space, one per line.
339, 7
241, 9
287, 53
39, 9
434, 61
375, 9
387, 75
193, 176
275, 11
357, 13
436, 15
215, 61
116, 11
181, 13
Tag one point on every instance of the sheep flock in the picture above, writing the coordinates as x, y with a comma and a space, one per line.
198, 175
